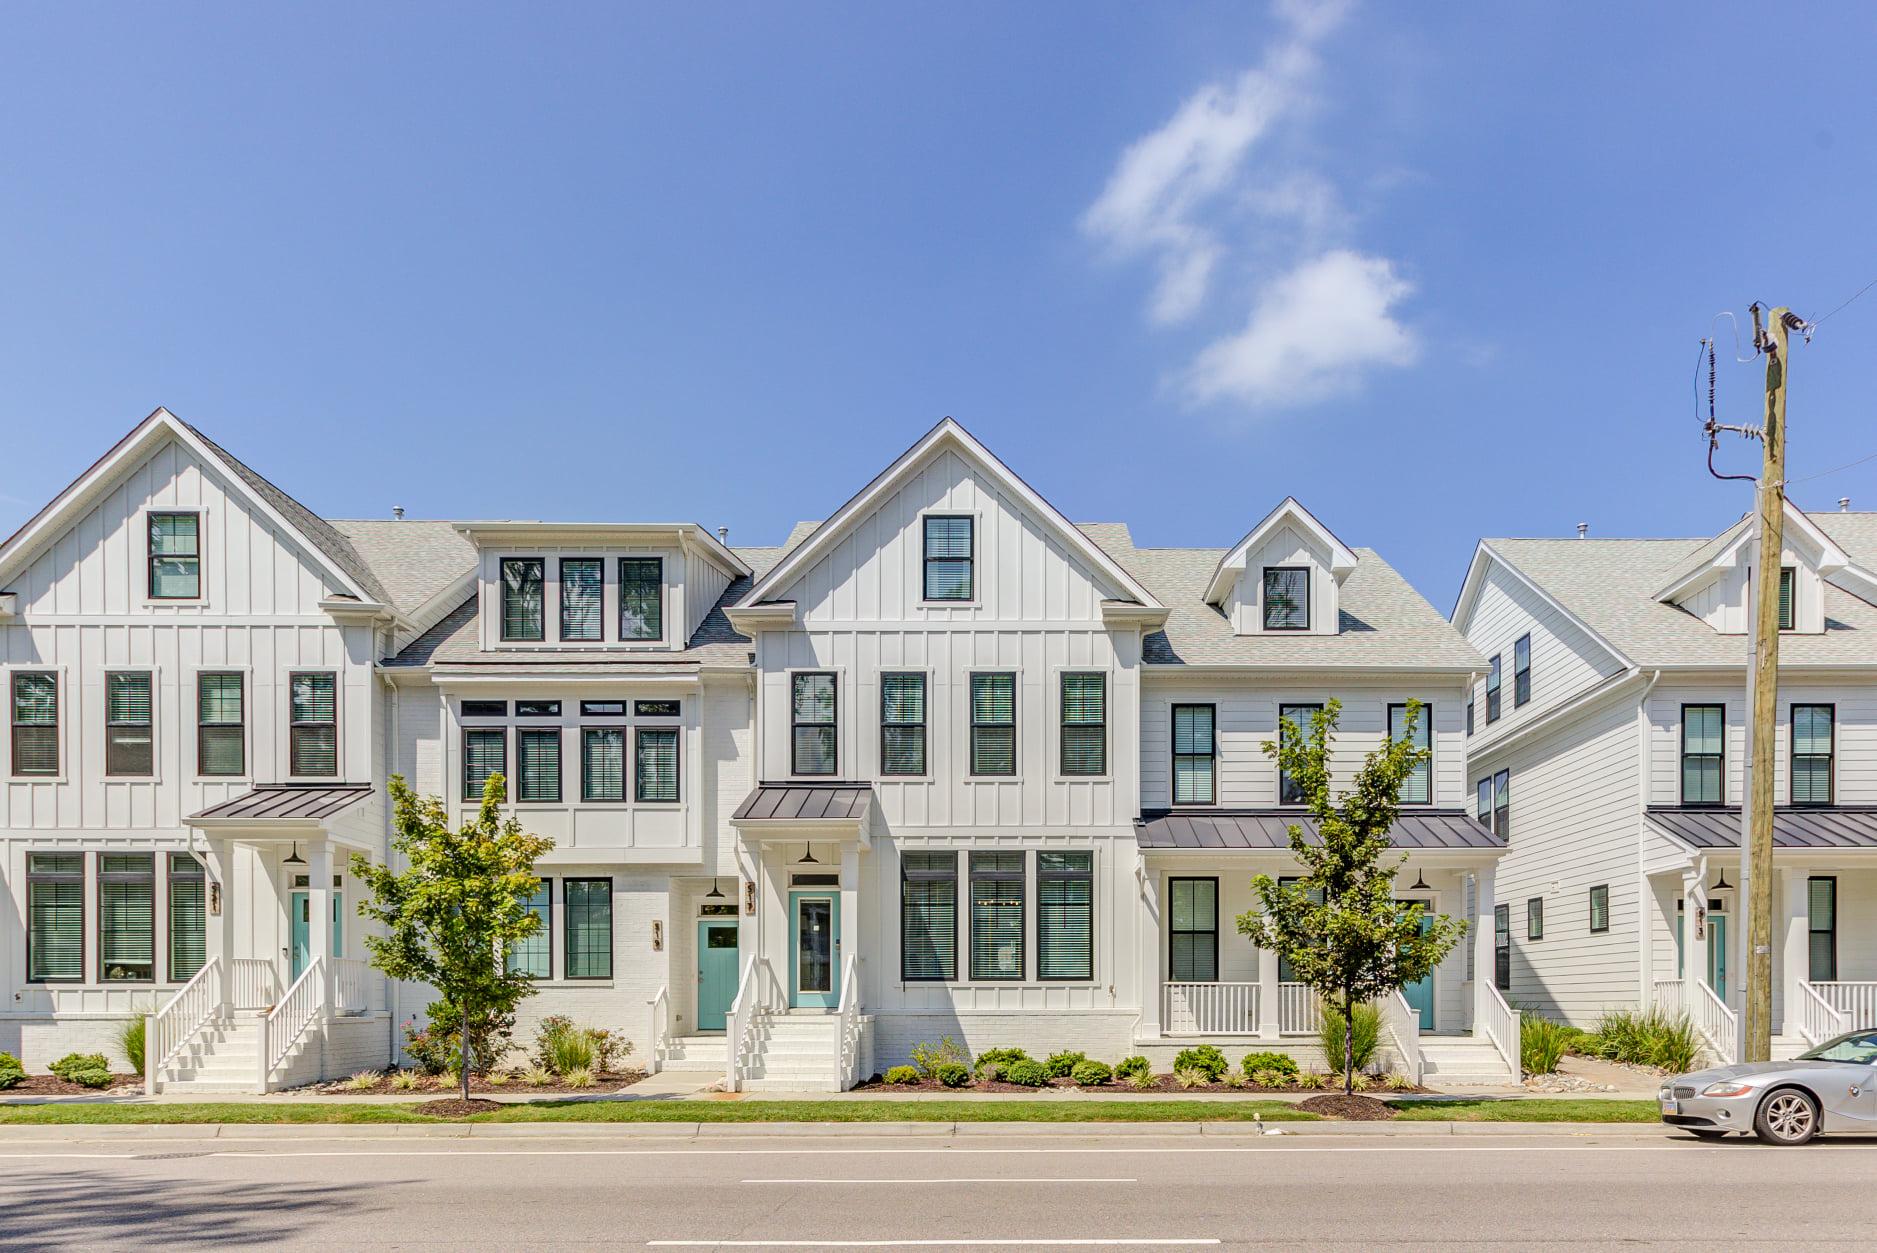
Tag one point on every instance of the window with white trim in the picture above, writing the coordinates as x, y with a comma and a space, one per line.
129, 740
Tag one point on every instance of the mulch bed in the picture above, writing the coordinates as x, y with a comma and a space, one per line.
1162, 1084
457, 1107
605, 1081
1348, 1108
52, 1085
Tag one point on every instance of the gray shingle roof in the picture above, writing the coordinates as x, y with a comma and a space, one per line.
1833, 827
1385, 622
413, 559
1611, 585
1260, 829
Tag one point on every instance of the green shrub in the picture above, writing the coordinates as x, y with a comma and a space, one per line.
1204, 1058
1541, 1043
1649, 1037
929, 1057
1026, 1073
1313, 1080
953, 1074
1061, 1065
1397, 1083
1367, 1032
1132, 1066
11, 1072
579, 1077
1193, 1077
1270, 1078
1283, 1063
1142, 1079
85, 1069
991, 1062
903, 1074
564, 1048
130, 1040
1091, 1074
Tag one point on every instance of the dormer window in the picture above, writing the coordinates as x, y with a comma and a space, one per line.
582, 589
1788, 581
524, 582
948, 558
641, 598
1286, 598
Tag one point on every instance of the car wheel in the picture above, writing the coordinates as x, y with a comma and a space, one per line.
1787, 1116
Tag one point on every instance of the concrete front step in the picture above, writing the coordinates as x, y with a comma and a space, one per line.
791, 1085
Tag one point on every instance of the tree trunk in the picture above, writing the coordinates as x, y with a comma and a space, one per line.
1349, 1045
462, 1027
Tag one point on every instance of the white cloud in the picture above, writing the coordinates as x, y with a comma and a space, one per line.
1313, 333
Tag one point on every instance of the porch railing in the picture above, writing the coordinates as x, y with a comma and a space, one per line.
1714, 1020
1298, 1011
1502, 1028
1668, 996
257, 982
1819, 1019
351, 985
1404, 1024
756, 992
657, 1029
1210, 1008
283, 1026
1857, 1002
850, 1023
196, 1004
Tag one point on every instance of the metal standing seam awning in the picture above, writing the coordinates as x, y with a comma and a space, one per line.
838, 807
1268, 830
1823, 828
281, 811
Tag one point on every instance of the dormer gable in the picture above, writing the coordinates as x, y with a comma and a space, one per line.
1284, 577
1715, 583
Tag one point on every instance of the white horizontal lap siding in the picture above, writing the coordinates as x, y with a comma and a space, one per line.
704, 582
1855, 735
1565, 660
1574, 818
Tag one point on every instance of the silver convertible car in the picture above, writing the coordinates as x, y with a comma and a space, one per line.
1831, 1088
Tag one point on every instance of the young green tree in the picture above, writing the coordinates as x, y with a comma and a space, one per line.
1338, 924
449, 915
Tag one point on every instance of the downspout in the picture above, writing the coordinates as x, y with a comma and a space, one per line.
1645, 895
393, 712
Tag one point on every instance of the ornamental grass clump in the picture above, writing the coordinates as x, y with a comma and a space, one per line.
1651, 1037
130, 1041
1367, 1033
1542, 1043
1191, 1077
363, 1081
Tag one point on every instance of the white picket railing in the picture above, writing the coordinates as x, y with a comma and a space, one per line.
1857, 1002
1668, 995
757, 992
657, 1029
283, 1026
850, 1023
1209, 1009
1298, 1011
1502, 1028
1718, 1023
257, 982
1819, 1019
1404, 1024
165, 1032
351, 985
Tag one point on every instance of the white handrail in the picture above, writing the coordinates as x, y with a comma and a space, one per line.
351, 985
850, 1023
657, 1029
1714, 1020
1404, 1023
1857, 1002
1819, 1019
165, 1032
1502, 1028
1210, 1008
257, 982
737, 1023
282, 1028
1298, 1010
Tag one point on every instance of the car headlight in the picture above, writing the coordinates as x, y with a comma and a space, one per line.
1727, 1087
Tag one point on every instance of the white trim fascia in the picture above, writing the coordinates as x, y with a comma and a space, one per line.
749, 619
589, 678
1476, 575
1342, 557
1285, 670
1126, 615
442, 604
947, 432
9, 604
1832, 559
1585, 701
510, 532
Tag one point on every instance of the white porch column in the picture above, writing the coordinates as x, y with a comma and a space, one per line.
1268, 1025
319, 918
848, 937
1484, 968
1798, 946
1153, 962
219, 937
1694, 930
749, 869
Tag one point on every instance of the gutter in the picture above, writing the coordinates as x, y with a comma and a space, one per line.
1645, 899
1570, 708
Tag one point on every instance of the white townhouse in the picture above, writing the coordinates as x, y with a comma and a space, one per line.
1608, 746
943, 764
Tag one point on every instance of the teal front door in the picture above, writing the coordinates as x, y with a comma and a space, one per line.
716, 973
814, 950
1420, 994
301, 910
1717, 954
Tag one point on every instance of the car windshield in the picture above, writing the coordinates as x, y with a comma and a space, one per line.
1859, 1048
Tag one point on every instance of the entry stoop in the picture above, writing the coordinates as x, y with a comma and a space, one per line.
795, 1053
1463, 1061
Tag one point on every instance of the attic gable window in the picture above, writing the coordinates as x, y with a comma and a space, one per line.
948, 557
1286, 598
175, 556
524, 582
1788, 615
641, 598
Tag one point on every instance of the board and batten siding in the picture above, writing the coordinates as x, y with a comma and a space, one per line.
1565, 659
1855, 736
1286, 546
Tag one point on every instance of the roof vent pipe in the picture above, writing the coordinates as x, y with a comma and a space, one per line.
1583, 529
723, 535
1844, 504
397, 511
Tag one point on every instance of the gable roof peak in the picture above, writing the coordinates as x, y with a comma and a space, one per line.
1289, 510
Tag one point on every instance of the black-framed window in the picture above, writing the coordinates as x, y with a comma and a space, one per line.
1535, 918
1502, 805
928, 916
997, 915
1293, 720
582, 599
1482, 806
313, 725
993, 723
902, 723
175, 556
485, 752
537, 709
524, 589
641, 598
1821, 915
1286, 604
1788, 588
188, 917
814, 723
1065, 915
602, 709
1418, 787
35, 715
485, 709
55, 917
1285, 974
1492, 690
221, 724
129, 739
1703, 754
537, 765
602, 763
1600, 909
656, 708
1469, 713
950, 572
655, 765
534, 955
1195, 755
1522, 670
587, 923
1084, 728
1812, 764
126, 917
1502, 947
1193, 930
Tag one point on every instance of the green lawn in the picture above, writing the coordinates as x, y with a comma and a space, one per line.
1541, 1109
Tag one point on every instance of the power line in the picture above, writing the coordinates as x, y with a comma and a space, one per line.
1854, 295
1846, 466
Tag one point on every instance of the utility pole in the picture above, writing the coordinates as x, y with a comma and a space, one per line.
1756, 845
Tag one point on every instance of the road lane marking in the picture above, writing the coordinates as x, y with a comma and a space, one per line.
979, 1179
921, 1244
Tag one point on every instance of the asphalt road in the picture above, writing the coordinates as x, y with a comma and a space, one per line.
1015, 1192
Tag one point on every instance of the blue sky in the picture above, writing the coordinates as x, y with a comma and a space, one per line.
1439, 271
